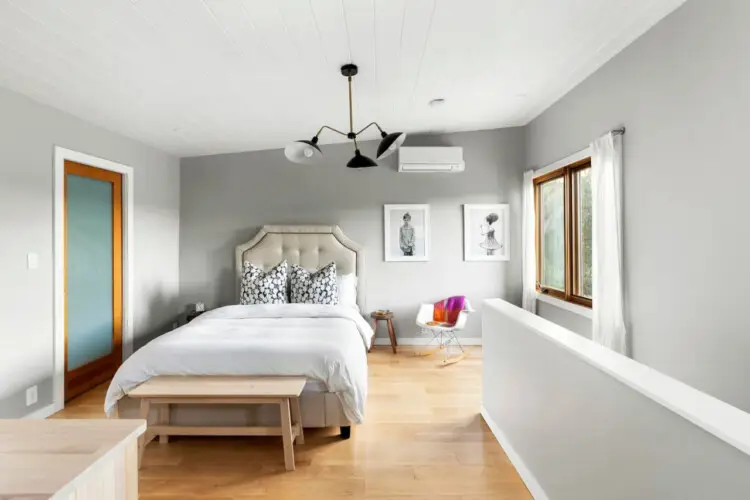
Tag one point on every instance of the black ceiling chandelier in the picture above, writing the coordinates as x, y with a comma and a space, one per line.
308, 151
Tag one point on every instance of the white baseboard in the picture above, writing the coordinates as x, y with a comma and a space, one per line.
41, 413
424, 341
528, 478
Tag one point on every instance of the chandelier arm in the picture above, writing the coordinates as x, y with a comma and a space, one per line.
370, 125
331, 129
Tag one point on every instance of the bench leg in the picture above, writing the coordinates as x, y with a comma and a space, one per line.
164, 420
286, 434
144, 439
297, 419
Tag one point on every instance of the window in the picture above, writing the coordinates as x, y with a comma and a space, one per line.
563, 233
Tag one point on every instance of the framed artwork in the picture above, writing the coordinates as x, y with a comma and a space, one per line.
486, 232
407, 233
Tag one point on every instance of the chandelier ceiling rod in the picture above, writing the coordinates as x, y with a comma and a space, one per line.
351, 111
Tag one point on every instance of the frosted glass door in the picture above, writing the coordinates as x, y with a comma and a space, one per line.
89, 250
93, 276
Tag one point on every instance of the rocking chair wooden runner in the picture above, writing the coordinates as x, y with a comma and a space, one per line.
443, 335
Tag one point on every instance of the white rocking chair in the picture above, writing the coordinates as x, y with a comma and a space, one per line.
443, 336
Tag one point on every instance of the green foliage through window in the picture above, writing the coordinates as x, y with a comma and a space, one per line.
553, 234
584, 218
565, 245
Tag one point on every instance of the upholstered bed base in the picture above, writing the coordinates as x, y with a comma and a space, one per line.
319, 409
310, 247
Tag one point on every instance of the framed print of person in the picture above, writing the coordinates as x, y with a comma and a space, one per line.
406, 233
486, 232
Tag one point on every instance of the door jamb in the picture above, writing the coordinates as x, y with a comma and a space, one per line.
62, 154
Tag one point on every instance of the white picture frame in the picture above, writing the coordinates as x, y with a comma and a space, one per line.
487, 238
419, 223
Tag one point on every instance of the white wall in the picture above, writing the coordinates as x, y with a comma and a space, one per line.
28, 133
582, 434
682, 91
227, 198
572, 321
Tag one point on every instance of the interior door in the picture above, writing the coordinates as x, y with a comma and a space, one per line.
93, 276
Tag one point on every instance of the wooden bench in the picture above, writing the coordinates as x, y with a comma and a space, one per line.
164, 391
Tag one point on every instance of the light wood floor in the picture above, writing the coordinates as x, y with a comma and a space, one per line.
423, 439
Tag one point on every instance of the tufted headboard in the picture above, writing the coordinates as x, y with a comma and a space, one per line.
309, 246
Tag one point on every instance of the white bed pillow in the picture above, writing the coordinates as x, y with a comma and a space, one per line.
348, 290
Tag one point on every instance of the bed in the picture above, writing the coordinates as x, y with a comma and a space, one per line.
327, 344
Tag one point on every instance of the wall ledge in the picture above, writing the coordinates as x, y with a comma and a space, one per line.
568, 306
721, 419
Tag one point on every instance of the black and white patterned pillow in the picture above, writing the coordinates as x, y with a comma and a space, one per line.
319, 287
259, 287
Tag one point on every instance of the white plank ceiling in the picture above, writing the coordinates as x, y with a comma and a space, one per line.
195, 77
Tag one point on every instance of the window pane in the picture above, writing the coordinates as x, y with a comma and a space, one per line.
553, 233
584, 232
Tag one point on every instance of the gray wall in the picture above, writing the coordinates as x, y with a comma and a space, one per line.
28, 133
565, 318
682, 92
586, 436
227, 198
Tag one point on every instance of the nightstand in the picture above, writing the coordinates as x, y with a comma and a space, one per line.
388, 318
192, 315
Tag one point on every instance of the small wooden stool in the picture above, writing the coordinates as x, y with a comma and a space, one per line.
388, 318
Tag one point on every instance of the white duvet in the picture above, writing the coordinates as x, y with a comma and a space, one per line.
326, 343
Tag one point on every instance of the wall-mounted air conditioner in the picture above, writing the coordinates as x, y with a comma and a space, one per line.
434, 159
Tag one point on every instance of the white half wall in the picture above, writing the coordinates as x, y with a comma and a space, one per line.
581, 422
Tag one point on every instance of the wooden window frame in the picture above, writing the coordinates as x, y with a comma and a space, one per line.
572, 260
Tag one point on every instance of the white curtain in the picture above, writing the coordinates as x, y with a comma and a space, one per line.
528, 244
606, 183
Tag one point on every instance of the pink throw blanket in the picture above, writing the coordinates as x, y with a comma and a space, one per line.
446, 311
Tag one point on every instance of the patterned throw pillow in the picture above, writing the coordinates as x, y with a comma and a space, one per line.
259, 287
319, 287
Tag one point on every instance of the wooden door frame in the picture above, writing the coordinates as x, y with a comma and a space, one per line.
61, 155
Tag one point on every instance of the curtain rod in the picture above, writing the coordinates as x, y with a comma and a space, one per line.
619, 131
